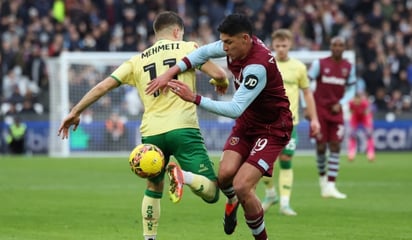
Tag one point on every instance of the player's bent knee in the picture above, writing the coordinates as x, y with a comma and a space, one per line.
215, 199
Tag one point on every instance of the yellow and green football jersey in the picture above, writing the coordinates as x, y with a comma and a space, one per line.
164, 111
294, 75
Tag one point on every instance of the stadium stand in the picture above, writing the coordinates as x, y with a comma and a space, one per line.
32, 31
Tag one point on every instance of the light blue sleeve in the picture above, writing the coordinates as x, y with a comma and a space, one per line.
203, 54
350, 90
352, 76
314, 70
254, 81
302, 99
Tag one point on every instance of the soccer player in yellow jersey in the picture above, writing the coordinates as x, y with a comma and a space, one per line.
168, 122
294, 75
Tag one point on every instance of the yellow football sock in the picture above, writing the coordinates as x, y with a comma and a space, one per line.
270, 190
150, 215
285, 182
205, 188
268, 181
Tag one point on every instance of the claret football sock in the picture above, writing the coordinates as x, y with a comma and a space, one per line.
257, 226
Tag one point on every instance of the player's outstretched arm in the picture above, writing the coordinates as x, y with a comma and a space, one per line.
218, 75
213, 70
161, 81
195, 58
89, 98
182, 90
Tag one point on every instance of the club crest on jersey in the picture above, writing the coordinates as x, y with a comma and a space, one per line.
234, 140
251, 81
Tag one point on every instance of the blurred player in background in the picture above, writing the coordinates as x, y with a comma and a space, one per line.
168, 122
361, 117
260, 106
335, 86
295, 78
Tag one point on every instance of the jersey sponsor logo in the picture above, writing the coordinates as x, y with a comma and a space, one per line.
203, 168
333, 80
251, 81
263, 164
234, 140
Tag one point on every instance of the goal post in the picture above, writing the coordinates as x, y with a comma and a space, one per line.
60, 70
72, 74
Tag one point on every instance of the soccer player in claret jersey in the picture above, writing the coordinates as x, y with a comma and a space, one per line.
361, 117
167, 122
260, 106
296, 81
335, 86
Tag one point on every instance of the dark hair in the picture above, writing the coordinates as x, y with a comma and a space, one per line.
167, 19
234, 24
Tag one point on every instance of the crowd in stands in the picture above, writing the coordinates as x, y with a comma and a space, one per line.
379, 31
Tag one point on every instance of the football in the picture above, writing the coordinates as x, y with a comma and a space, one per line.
146, 160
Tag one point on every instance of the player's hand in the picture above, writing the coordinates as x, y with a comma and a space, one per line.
336, 108
161, 81
182, 90
64, 128
158, 83
314, 127
220, 86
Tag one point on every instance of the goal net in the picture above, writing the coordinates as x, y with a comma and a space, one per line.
111, 125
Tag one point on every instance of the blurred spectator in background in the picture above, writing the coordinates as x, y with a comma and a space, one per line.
380, 101
28, 107
380, 31
115, 132
16, 137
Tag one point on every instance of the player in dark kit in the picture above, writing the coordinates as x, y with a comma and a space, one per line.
335, 86
263, 120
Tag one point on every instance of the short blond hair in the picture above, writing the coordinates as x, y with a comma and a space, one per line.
282, 34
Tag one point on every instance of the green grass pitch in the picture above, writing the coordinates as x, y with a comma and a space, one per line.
99, 198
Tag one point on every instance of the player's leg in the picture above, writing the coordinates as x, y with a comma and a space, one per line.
196, 169
244, 183
335, 138
256, 165
150, 208
370, 144
235, 150
271, 196
285, 185
285, 180
352, 140
286, 175
321, 154
229, 164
